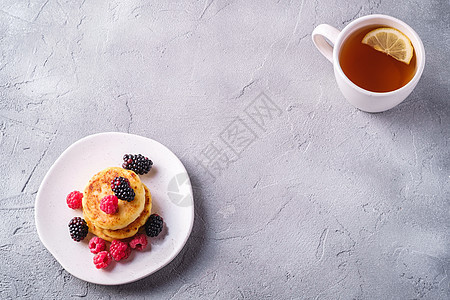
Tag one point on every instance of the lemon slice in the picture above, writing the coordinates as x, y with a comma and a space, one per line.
392, 42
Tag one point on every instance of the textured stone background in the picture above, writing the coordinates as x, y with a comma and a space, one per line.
327, 202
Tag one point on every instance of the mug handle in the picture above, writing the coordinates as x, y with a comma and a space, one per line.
319, 34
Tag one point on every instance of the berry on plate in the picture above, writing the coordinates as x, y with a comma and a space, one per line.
154, 225
78, 229
102, 259
97, 245
138, 163
74, 199
119, 250
139, 242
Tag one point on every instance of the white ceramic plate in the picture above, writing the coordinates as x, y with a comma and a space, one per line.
172, 197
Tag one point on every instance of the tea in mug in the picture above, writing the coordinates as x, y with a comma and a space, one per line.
370, 69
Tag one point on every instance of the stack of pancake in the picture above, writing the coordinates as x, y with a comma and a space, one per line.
130, 216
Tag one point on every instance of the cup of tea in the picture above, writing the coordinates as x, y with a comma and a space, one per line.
370, 79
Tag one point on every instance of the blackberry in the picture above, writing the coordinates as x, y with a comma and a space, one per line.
154, 225
138, 163
78, 229
122, 189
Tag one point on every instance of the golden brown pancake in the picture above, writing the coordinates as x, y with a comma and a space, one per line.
100, 186
130, 230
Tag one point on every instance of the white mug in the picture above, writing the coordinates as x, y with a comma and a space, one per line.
360, 98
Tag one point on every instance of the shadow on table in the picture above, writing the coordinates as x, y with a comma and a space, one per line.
189, 255
418, 128
426, 105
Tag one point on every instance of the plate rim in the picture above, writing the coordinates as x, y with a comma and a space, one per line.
45, 179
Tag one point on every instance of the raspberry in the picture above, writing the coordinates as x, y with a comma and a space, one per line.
138, 163
121, 187
78, 229
74, 199
97, 245
102, 259
109, 204
139, 242
154, 225
119, 250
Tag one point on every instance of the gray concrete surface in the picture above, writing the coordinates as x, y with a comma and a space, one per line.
317, 201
